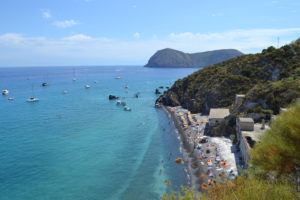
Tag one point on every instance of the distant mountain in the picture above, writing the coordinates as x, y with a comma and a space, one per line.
174, 58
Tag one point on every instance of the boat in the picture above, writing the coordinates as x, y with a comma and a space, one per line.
87, 86
73, 79
10, 98
118, 77
126, 108
136, 95
123, 103
46, 83
5, 92
95, 81
64, 91
32, 99
126, 86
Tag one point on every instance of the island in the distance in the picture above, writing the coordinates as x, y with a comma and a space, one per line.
173, 58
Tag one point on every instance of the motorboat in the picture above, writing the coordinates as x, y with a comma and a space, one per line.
5, 92
118, 77
126, 108
45, 84
33, 99
126, 86
73, 79
64, 91
123, 103
87, 86
10, 98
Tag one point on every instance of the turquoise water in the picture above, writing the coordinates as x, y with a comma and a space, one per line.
80, 145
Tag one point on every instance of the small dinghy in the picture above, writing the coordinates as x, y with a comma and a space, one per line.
118, 77
64, 92
10, 98
32, 99
5, 92
87, 86
126, 108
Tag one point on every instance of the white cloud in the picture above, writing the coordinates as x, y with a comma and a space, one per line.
77, 37
137, 35
83, 49
46, 14
65, 23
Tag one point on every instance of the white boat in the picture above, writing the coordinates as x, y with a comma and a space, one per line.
10, 98
87, 86
73, 79
118, 77
126, 108
64, 91
33, 99
123, 103
5, 92
126, 86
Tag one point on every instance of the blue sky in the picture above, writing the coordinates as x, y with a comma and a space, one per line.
124, 32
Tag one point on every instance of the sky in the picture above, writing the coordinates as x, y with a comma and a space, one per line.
129, 32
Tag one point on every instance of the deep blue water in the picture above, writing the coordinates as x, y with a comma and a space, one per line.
95, 150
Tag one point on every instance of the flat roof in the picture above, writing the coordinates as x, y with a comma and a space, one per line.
240, 95
246, 119
218, 113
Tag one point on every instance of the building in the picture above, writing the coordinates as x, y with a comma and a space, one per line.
248, 134
247, 141
243, 124
217, 115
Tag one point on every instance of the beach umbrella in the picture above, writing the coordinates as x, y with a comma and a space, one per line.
167, 183
204, 186
202, 175
178, 160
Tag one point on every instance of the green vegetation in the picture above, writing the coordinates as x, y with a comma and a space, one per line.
279, 148
174, 58
269, 79
272, 175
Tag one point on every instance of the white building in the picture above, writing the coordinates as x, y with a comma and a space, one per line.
217, 115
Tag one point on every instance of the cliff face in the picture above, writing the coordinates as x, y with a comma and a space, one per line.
174, 58
270, 80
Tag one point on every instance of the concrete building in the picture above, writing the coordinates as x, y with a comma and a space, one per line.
217, 115
247, 141
248, 134
243, 124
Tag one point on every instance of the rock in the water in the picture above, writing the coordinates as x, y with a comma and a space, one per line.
112, 97
157, 91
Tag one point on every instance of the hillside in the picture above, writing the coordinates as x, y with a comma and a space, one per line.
174, 58
269, 79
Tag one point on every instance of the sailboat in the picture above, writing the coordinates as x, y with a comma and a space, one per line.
73, 79
87, 85
32, 99
45, 83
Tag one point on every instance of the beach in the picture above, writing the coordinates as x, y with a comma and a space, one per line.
209, 160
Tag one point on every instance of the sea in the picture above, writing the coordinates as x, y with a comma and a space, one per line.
81, 145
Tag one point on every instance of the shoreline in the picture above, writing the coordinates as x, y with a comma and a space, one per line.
198, 168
